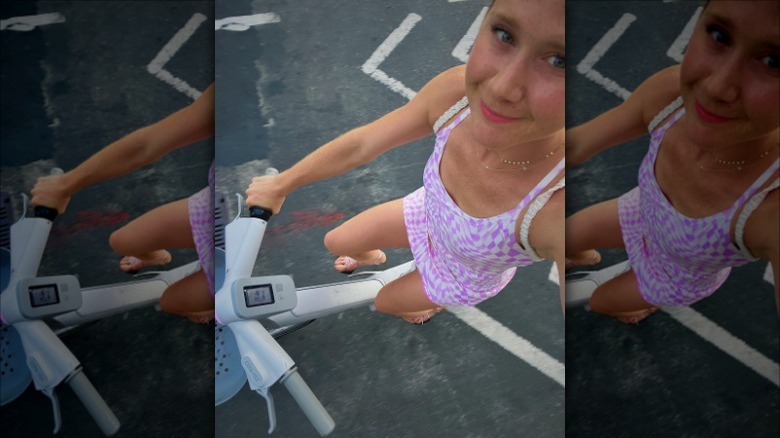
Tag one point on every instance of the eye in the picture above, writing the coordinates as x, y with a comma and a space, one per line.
718, 34
557, 61
771, 61
503, 35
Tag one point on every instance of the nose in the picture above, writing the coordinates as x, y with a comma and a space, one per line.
724, 84
511, 80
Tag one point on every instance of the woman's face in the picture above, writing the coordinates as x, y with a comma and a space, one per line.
515, 78
730, 78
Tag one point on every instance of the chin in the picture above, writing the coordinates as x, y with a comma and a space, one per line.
701, 133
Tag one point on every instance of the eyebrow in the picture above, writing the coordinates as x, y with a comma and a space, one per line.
771, 43
552, 43
717, 17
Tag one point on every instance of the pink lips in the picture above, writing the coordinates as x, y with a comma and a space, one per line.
710, 117
494, 116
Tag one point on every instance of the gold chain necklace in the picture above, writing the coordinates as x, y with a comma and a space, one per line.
524, 165
736, 165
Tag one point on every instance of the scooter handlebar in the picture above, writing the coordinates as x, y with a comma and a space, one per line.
309, 403
260, 213
45, 212
48, 212
263, 213
94, 403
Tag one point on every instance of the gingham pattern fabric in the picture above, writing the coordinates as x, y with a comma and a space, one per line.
462, 260
201, 210
677, 260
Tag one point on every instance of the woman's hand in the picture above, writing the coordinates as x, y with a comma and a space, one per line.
51, 191
265, 192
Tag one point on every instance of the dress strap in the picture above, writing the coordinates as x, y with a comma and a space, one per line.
664, 113
450, 113
750, 207
555, 171
760, 181
532, 195
533, 209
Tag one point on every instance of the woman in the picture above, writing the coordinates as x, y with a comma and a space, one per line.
498, 151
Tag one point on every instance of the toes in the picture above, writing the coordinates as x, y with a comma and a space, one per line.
345, 264
584, 258
130, 264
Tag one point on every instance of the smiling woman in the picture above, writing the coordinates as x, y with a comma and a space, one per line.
498, 121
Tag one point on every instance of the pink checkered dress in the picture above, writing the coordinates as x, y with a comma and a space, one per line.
462, 260
678, 260
201, 211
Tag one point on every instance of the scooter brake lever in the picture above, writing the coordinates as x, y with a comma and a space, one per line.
269, 401
55, 404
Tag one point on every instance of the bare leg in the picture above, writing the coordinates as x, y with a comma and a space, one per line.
383, 226
597, 226
147, 236
406, 298
361, 237
620, 297
190, 297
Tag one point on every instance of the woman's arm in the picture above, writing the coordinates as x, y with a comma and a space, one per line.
762, 236
624, 122
361, 145
137, 149
547, 236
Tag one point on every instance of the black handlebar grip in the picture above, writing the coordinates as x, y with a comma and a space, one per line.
260, 213
45, 212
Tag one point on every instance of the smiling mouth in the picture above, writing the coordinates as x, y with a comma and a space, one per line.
710, 117
494, 116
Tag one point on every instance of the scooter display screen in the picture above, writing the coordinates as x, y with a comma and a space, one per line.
258, 295
43, 295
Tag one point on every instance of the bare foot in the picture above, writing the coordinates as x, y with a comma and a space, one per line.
589, 257
635, 317
202, 317
347, 264
133, 264
420, 318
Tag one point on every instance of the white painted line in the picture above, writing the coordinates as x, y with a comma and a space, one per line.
455, 1
769, 275
166, 53
677, 49
29, 22
463, 48
393, 84
175, 43
553, 275
244, 22
498, 333
727, 342
371, 66
585, 66
178, 84
389, 44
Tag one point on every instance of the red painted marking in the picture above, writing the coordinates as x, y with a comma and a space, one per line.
306, 219
90, 219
